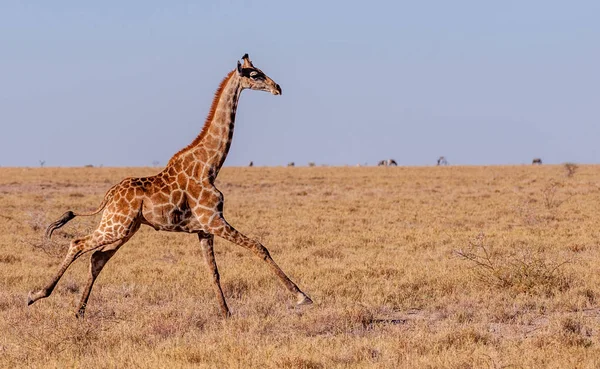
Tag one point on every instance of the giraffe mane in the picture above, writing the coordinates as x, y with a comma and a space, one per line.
209, 117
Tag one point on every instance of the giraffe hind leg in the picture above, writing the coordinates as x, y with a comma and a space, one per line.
98, 259
77, 248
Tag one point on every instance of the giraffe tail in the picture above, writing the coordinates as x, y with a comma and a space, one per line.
69, 215
59, 223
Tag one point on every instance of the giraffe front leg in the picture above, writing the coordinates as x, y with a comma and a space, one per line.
229, 233
206, 243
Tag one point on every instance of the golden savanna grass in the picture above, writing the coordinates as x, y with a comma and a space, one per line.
436, 267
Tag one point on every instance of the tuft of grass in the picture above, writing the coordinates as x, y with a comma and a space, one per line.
236, 288
574, 332
464, 337
9, 259
298, 362
71, 286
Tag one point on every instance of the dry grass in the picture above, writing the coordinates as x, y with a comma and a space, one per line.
439, 267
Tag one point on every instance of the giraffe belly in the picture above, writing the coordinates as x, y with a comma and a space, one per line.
171, 218
180, 211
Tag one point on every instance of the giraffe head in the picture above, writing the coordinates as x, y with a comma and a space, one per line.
254, 78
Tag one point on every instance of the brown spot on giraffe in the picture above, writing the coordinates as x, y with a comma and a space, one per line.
181, 198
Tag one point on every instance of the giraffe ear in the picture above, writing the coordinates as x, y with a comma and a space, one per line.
239, 68
247, 62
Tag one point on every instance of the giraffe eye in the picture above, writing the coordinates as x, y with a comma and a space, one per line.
253, 74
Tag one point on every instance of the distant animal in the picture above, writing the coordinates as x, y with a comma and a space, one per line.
291, 164
251, 164
537, 161
181, 198
311, 164
387, 163
442, 161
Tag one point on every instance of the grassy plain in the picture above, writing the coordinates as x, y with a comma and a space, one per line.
418, 267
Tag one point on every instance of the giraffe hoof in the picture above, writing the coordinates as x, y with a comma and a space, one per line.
30, 299
304, 300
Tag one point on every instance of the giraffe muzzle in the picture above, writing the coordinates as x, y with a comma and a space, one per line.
277, 90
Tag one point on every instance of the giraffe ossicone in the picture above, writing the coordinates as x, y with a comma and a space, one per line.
181, 198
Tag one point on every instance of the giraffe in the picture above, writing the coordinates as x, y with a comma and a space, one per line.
181, 198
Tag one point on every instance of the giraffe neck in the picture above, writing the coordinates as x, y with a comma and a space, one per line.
211, 146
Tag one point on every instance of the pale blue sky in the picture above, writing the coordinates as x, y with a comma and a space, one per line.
126, 83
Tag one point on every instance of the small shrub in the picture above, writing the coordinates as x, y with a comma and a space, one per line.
571, 168
523, 271
59, 244
550, 195
37, 221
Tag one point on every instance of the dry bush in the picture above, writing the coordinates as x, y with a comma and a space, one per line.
57, 246
570, 169
525, 270
37, 220
551, 196
51, 248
